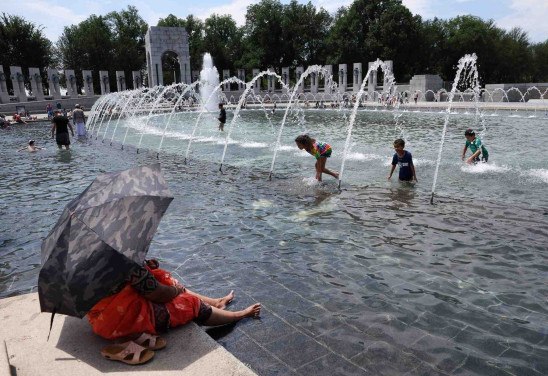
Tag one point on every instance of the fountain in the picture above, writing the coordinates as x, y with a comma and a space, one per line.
209, 76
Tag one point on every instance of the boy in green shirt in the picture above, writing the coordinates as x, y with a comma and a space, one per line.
476, 147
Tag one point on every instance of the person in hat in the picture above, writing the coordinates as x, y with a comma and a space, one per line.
476, 147
79, 120
31, 147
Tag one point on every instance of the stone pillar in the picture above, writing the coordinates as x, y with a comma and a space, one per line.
226, 75
241, 76
18, 82
422, 83
357, 77
36, 83
70, 77
390, 66
285, 79
104, 81
137, 79
271, 81
121, 81
53, 82
87, 77
372, 82
342, 78
4, 96
314, 82
298, 73
328, 79
257, 84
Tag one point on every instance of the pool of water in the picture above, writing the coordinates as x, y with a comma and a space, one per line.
368, 279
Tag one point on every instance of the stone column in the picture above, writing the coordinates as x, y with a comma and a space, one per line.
137, 79
342, 78
298, 73
241, 76
390, 65
36, 83
4, 96
18, 82
70, 77
285, 78
372, 82
257, 84
271, 81
327, 79
121, 81
357, 77
314, 82
104, 81
226, 75
87, 77
53, 82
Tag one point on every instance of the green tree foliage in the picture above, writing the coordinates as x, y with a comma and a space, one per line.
371, 29
222, 39
540, 61
23, 44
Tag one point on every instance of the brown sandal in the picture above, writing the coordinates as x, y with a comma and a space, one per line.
128, 352
150, 341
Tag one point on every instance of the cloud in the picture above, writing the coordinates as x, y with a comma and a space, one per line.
420, 7
236, 8
530, 15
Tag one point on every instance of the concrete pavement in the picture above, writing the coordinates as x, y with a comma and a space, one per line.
73, 349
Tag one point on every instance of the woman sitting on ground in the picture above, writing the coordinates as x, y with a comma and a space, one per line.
153, 301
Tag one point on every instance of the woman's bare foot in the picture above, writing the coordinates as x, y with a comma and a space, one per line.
223, 302
253, 311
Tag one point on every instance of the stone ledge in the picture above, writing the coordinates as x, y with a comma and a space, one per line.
73, 349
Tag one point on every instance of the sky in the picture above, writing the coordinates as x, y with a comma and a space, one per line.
54, 15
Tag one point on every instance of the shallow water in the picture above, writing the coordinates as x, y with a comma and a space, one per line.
371, 279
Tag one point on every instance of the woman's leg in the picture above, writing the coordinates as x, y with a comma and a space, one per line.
221, 317
220, 303
322, 162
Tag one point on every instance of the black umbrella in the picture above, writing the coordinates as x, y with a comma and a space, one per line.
101, 236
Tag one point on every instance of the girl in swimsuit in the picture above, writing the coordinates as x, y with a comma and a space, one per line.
320, 150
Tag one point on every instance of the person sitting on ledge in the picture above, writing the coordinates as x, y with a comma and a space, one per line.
152, 301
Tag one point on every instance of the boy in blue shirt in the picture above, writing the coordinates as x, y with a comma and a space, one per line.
404, 159
476, 147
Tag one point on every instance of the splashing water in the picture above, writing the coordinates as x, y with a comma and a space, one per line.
210, 79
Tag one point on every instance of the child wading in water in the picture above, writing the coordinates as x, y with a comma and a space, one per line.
404, 159
476, 147
31, 147
320, 150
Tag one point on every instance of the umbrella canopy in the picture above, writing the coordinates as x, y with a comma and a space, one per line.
102, 234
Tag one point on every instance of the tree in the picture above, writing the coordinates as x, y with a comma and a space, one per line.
222, 40
371, 29
23, 44
539, 53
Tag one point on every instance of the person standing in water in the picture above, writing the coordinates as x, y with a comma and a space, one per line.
59, 129
79, 120
320, 150
404, 159
222, 117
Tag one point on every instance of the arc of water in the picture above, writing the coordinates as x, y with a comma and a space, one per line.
95, 112
249, 85
203, 110
135, 92
123, 96
100, 111
389, 80
154, 104
465, 61
313, 68
112, 100
148, 94
177, 104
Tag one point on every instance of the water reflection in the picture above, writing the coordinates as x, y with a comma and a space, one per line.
64, 156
